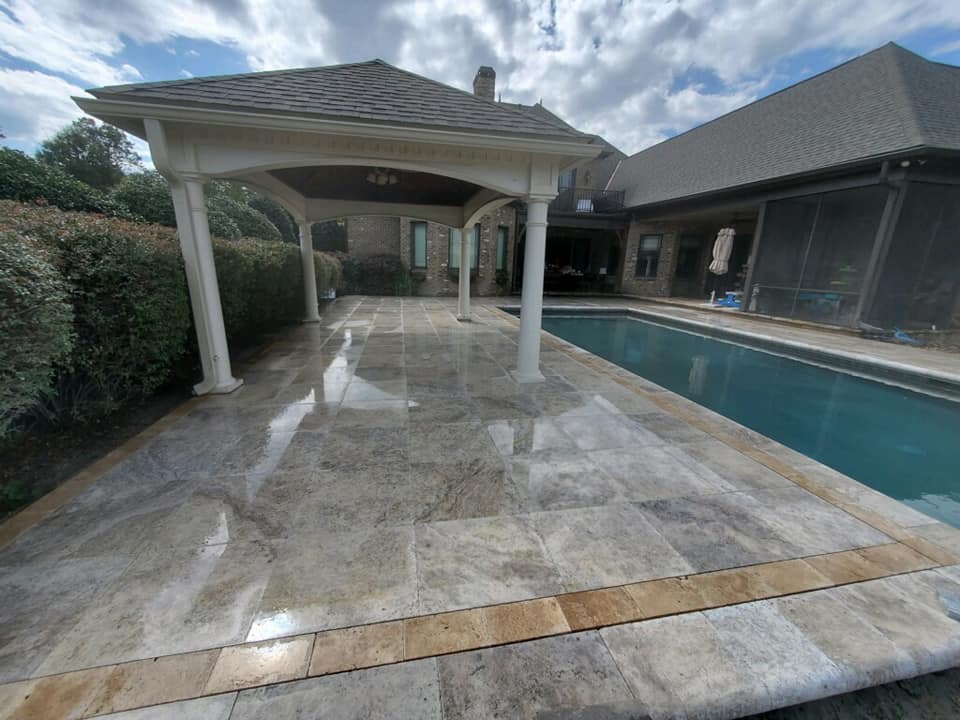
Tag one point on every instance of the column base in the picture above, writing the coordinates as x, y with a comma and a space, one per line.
525, 378
464, 318
224, 388
310, 321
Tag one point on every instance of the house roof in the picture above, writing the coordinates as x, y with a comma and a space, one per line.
371, 91
885, 102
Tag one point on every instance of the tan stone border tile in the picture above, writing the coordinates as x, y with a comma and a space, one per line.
596, 608
141, 683
357, 647
262, 663
59, 696
444, 633
150, 682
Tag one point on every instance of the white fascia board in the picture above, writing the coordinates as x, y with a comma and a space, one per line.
266, 121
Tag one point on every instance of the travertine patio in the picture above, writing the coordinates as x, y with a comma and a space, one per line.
383, 466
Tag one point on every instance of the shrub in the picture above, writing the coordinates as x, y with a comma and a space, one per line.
131, 322
330, 236
276, 214
373, 275
35, 326
261, 285
222, 225
147, 195
250, 222
131, 313
23, 178
329, 271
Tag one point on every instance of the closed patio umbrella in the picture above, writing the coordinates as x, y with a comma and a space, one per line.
722, 248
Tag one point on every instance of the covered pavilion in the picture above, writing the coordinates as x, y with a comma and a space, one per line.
329, 142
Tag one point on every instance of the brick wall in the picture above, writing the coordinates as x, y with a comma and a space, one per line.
437, 278
660, 285
378, 235
373, 235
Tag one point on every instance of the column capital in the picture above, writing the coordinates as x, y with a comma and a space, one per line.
192, 177
532, 198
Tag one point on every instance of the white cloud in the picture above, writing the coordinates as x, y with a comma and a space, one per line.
614, 68
37, 105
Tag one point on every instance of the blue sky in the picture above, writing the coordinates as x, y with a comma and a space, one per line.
634, 71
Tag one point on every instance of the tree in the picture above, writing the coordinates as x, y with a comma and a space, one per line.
26, 180
278, 216
98, 155
147, 194
330, 235
230, 209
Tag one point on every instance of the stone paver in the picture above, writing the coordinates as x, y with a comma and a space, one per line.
383, 465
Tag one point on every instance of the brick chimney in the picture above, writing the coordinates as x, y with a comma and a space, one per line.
485, 83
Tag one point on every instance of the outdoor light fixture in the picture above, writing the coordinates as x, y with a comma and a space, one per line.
382, 176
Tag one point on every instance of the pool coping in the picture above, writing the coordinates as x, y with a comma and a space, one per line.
912, 377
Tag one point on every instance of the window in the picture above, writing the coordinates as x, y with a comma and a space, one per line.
814, 253
648, 256
502, 247
418, 245
474, 248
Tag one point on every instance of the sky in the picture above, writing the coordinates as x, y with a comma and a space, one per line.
635, 72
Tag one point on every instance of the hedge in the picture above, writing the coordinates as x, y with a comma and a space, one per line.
375, 275
35, 324
250, 222
131, 326
23, 178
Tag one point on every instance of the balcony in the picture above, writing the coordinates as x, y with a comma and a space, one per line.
587, 201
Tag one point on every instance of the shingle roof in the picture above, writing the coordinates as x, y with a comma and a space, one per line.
886, 101
373, 91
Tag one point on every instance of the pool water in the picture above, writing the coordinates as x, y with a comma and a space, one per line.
902, 443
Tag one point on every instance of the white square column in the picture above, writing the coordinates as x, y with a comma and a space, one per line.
463, 289
531, 299
194, 232
310, 299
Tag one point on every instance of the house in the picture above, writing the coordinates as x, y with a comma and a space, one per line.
843, 191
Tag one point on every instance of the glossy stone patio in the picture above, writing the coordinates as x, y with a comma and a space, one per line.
384, 465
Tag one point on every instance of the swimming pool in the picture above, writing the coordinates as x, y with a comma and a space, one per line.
903, 443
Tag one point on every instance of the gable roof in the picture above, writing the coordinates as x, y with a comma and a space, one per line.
887, 101
371, 91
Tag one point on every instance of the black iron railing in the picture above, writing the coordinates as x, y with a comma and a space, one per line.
588, 200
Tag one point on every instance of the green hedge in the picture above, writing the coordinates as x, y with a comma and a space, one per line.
35, 326
131, 324
375, 275
250, 222
148, 193
23, 178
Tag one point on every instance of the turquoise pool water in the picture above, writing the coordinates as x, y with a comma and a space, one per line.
902, 443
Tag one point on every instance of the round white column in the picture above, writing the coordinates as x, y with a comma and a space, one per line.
194, 231
310, 299
463, 290
531, 299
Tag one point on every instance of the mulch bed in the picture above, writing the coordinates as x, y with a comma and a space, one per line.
47, 458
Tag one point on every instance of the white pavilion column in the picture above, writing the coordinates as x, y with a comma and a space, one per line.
463, 292
311, 314
531, 299
194, 232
